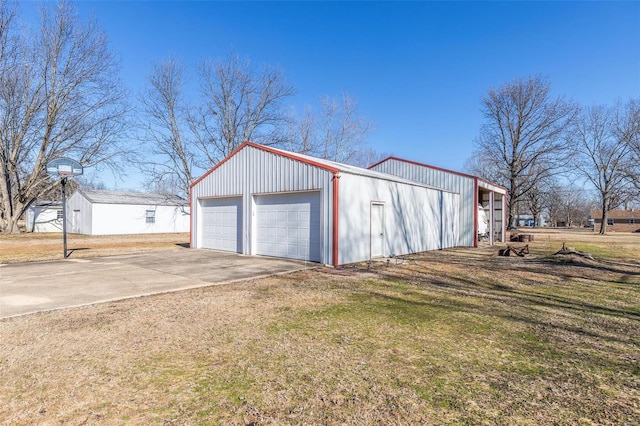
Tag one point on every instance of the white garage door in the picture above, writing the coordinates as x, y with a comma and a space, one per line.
288, 225
221, 224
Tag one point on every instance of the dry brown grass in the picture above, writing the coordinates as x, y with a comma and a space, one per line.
618, 245
450, 337
30, 247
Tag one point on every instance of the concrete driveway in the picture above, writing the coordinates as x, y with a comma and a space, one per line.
34, 287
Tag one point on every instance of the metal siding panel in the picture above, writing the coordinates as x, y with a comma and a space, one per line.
441, 179
412, 217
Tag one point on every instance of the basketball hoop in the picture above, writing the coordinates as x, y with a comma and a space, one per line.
65, 168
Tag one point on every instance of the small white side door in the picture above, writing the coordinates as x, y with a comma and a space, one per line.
377, 230
75, 222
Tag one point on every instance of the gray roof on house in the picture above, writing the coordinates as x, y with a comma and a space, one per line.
119, 197
47, 204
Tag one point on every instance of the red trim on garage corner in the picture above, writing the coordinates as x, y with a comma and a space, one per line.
504, 217
286, 154
475, 212
191, 216
336, 186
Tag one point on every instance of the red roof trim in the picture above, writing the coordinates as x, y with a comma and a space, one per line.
285, 154
207, 173
293, 156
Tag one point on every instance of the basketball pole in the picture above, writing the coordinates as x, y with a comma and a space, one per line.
65, 168
64, 216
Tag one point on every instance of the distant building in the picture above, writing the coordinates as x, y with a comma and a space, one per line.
526, 220
618, 220
44, 216
94, 212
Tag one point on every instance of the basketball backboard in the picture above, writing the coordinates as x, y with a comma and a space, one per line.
64, 167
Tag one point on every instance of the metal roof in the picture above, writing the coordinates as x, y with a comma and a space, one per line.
346, 168
119, 197
483, 183
48, 204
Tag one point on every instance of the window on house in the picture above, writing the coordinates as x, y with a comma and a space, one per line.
609, 221
632, 221
151, 216
59, 215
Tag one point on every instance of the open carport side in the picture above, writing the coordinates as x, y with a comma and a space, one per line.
35, 287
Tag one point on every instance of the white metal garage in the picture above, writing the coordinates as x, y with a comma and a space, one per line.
221, 223
265, 201
288, 225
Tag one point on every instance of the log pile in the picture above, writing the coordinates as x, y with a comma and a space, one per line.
514, 251
521, 238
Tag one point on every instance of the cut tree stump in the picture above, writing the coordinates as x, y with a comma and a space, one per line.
570, 250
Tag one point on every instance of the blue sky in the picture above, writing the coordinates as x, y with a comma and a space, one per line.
417, 69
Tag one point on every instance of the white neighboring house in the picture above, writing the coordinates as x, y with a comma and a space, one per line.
44, 216
96, 212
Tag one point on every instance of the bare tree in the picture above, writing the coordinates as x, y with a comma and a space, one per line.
58, 97
240, 103
523, 138
628, 130
170, 159
567, 204
368, 157
483, 166
338, 132
603, 154
302, 133
535, 199
343, 130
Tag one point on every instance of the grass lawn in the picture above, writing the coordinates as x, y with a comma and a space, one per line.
449, 337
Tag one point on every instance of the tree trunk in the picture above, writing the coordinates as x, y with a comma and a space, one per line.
605, 215
510, 219
11, 226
